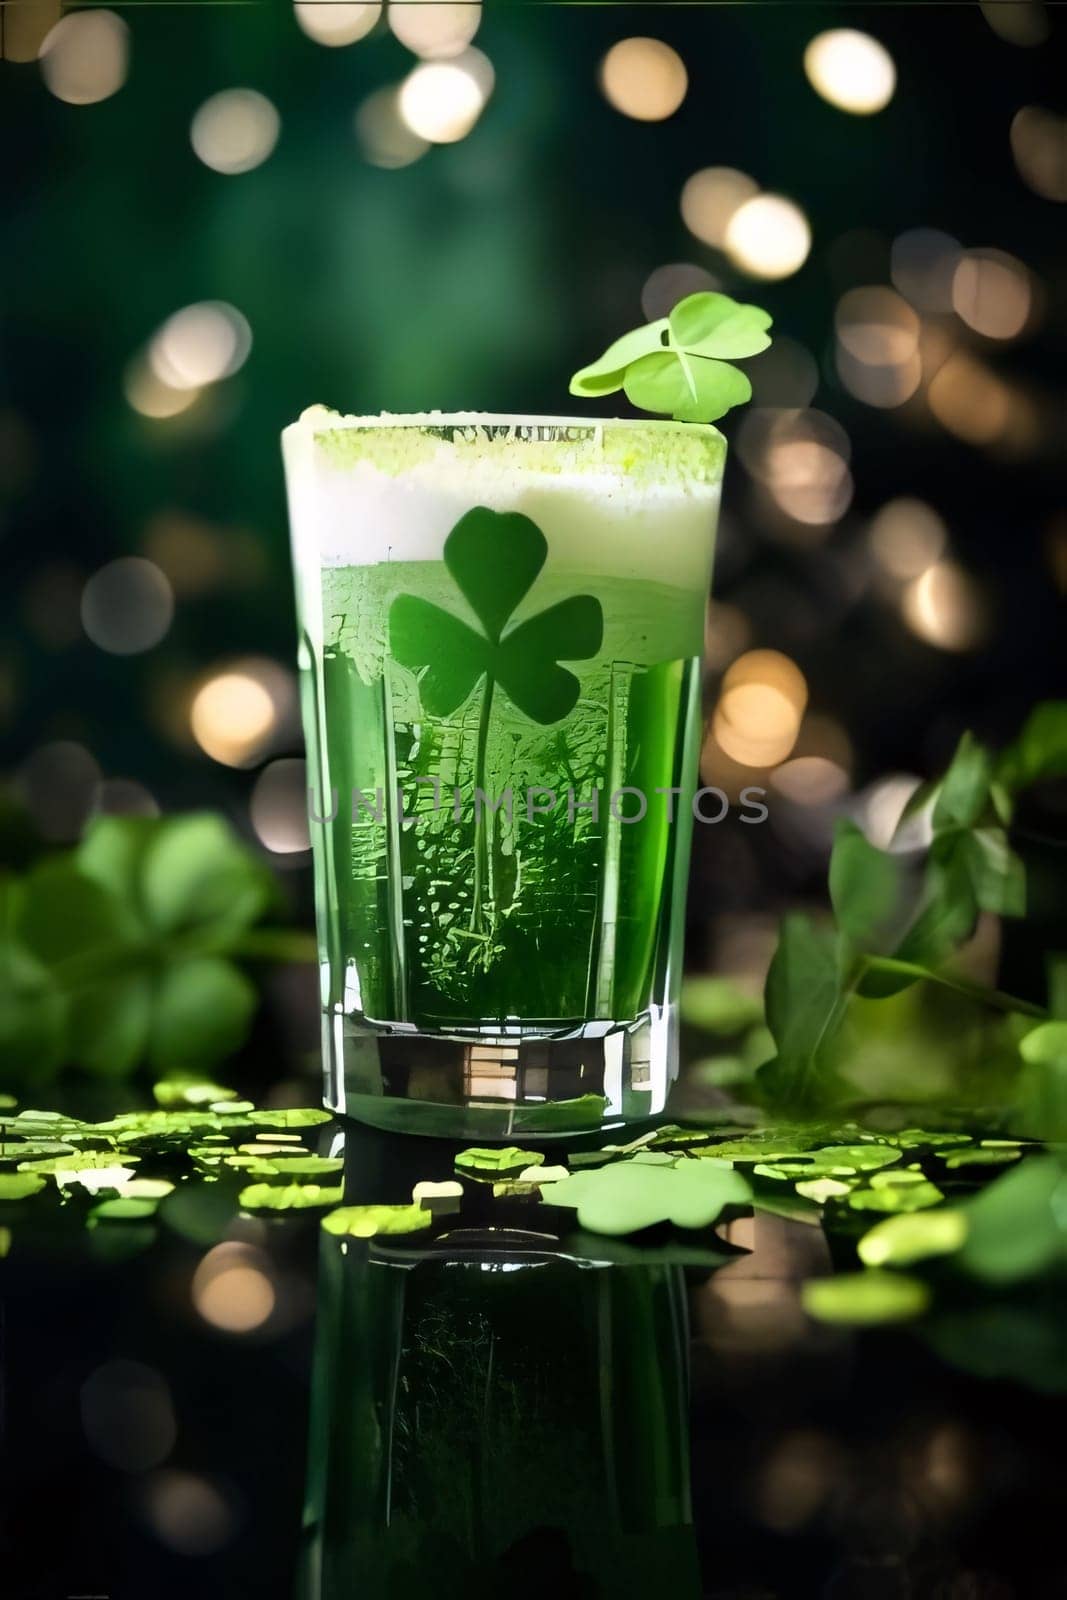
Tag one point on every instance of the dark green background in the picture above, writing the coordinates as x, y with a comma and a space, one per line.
481, 277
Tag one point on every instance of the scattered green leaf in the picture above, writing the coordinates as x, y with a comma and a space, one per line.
286, 1166
184, 1090
288, 1196
901, 1241
822, 1189
20, 1185
299, 1117
896, 1192
496, 1160
123, 1209
976, 1156
626, 1197
865, 1299
364, 1222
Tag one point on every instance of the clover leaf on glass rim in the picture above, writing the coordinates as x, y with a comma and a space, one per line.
679, 366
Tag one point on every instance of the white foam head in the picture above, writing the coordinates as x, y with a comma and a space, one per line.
621, 499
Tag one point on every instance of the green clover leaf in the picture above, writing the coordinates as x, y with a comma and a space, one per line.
680, 365
689, 388
607, 374
714, 325
494, 558
626, 1198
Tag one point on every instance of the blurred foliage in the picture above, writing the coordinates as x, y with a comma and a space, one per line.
893, 928
123, 951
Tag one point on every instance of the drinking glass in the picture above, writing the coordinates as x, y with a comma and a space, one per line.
501, 622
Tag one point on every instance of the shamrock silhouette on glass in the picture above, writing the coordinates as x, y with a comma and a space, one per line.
494, 558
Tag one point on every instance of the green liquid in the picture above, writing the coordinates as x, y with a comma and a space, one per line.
447, 919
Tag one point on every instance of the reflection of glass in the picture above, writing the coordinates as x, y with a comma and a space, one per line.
489, 1410
492, 1416
501, 621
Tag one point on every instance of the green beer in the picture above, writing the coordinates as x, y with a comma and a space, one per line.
501, 630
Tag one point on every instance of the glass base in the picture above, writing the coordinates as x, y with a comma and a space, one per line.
525, 1081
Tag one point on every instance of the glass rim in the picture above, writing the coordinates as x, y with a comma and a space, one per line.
321, 419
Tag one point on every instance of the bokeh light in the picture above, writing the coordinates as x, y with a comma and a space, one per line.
442, 100
128, 1416
851, 70
232, 1288
194, 555
812, 486
757, 728
879, 384
809, 481
710, 199
923, 264
877, 326
667, 285
726, 633
800, 457
786, 376
1039, 146
150, 396
907, 536
824, 736
434, 28
279, 807
1022, 22
644, 78
85, 57
232, 717
384, 137
773, 668
235, 131
811, 780
969, 400
800, 1473
57, 782
188, 1513
768, 237
199, 345
761, 704
123, 797
244, 709
335, 22
991, 293
23, 28
877, 346
881, 806
945, 608
127, 607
